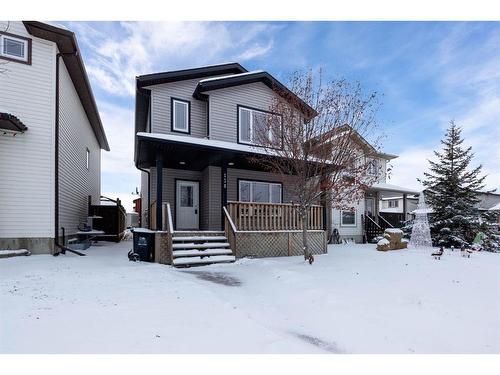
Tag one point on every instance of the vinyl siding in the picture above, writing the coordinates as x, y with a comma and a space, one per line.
160, 107
76, 182
212, 199
223, 107
350, 231
27, 160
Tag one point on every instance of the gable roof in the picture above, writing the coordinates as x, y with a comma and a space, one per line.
184, 74
68, 46
216, 83
325, 137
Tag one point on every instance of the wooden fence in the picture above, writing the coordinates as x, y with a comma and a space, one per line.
272, 216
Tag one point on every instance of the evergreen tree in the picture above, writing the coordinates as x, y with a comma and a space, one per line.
451, 188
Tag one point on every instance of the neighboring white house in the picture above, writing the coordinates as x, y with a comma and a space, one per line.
395, 204
350, 223
51, 137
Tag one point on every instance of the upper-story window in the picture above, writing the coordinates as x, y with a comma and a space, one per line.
373, 167
87, 158
258, 127
180, 115
14, 48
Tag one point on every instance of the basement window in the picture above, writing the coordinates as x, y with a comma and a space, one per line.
348, 218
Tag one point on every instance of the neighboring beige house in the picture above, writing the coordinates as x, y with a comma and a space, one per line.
51, 137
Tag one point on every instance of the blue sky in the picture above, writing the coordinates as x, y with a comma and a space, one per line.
428, 73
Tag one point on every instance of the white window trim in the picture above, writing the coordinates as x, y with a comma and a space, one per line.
270, 184
87, 158
252, 111
25, 45
394, 202
348, 225
186, 104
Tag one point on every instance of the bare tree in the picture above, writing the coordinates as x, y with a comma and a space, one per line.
319, 149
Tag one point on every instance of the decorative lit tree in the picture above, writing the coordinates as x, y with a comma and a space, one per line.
421, 234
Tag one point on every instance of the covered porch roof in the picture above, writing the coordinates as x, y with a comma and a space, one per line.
390, 191
11, 124
192, 153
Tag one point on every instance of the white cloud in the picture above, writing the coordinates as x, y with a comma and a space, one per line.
148, 47
467, 78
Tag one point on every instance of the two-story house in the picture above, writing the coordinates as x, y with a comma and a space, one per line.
51, 137
194, 134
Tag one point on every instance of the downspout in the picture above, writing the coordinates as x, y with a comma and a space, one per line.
56, 166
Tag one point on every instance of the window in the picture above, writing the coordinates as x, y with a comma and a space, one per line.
254, 124
180, 115
259, 192
87, 159
373, 167
348, 218
393, 204
14, 48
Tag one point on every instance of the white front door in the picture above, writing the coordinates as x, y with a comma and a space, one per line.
187, 205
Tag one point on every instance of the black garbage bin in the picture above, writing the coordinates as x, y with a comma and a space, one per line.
144, 244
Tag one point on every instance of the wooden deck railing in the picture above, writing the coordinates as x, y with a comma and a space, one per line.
272, 216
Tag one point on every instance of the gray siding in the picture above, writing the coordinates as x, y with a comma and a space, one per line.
160, 107
211, 203
76, 182
223, 107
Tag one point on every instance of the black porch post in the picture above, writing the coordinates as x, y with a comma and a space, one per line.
159, 191
223, 185
405, 206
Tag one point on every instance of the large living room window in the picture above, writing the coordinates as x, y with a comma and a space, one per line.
180, 115
258, 127
259, 191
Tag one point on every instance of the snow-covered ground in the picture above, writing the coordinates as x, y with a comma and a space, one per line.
353, 300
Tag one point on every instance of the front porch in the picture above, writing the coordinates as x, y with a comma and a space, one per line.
374, 221
202, 188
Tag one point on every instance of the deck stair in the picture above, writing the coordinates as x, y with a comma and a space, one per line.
200, 248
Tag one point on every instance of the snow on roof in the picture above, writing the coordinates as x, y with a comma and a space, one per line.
399, 197
231, 76
422, 211
390, 187
206, 142
496, 207
219, 144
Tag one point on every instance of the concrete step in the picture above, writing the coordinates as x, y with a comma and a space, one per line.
199, 238
207, 252
206, 245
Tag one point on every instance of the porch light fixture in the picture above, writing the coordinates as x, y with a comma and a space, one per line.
182, 163
230, 163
